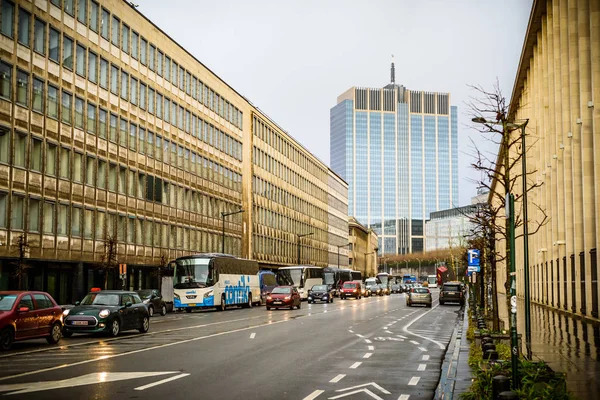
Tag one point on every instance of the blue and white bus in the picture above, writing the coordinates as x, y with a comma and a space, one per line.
214, 280
267, 281
303, 277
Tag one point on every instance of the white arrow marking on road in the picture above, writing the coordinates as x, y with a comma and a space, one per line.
337, 378
313, 395
88, 379
404, 397
414, 342
252, 335
161, 382
368, 341
425, 357
355, 365
422, 367
376, 386
359, 335
414, 380
371, 348
367, 391
422, 349
367, 355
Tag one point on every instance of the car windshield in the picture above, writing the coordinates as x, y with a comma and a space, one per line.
100, 299
7, 301
145, 294
320, 288
282, 290
349, 285
452, 288
420, 290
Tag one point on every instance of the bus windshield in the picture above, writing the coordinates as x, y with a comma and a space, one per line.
290, 276
329, 278
383, 278
268, 280
192, 273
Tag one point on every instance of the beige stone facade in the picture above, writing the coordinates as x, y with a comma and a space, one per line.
363, 248
110, 129
558, 90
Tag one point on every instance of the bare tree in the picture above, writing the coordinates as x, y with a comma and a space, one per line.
108, 259
491, 111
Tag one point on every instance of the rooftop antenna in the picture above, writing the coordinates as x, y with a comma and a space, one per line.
393, 72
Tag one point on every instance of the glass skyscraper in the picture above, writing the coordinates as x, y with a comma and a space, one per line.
398, 151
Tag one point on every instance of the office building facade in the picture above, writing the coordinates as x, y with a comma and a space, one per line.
398, 151
117, 146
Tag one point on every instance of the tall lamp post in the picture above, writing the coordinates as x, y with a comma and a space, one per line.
301, 236
223, 215
526, 282
341, 245
419, 277
366, 264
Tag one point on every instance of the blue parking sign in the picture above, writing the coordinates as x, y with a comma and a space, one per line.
474, 258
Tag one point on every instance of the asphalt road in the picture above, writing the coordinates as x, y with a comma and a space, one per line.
376, 348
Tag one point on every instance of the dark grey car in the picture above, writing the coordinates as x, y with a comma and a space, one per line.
153, 300
452, 292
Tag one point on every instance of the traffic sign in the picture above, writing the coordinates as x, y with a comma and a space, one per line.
473, 257
475, 268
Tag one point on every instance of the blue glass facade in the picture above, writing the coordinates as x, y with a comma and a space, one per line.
361, 168
416, 165
430, 164
375, 187
403, 152
390, 174
443, 150
340, 144
454, 116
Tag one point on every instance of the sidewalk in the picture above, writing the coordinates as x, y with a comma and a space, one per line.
456, 374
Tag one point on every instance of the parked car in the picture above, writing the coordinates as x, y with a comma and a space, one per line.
153, 301
419, 295
283, 297
29, 315
452, 292
107, 311
351, 289
320, 293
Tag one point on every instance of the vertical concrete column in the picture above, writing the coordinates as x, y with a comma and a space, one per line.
79, 282
567, 131
595, 76
587, 156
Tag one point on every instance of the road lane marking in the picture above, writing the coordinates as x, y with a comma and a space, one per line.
371, 348
422, 367
404, 397
337, 378
414, 342
252, 335
426, 357
355, 365
368, 341
414, 380
313, 395
422, 349
367, 355
161, 382
405, 329
359, 335
402, 337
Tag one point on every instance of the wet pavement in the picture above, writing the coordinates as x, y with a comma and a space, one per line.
567, 344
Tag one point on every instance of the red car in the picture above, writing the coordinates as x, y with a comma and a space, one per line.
29, 315
283, 297
351, 289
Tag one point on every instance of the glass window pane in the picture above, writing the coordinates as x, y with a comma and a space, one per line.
35, 158
151, 56
52, 102
124, 85
113, 128
67, 100
91, 118
24, 25
114, 79
135, 39
116, 26
80, 60
64, 163
132, 136
76, 221
5, 80
93, 67
103, 73
79, 110
20, 149
105, 23
16, 213
23, 88
54, 52
69, 7
141, 140
88, 224
134, 90
102, 174
67, 52
50, 159
125, 39
82, 11
142, 96
123, 132
159, 62
61, 219
143, 46
3, 208
94, 16
102, 115
8, 15
90, 171
39, 38
34, 215
48, 217
78, 167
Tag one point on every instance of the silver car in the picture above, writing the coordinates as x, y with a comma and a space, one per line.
419, 295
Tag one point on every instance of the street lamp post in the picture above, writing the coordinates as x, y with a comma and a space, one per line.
366, 264
223, 215
526, 282
338, 247
301, 236
419, 277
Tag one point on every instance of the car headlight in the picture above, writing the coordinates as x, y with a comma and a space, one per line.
287, 298
104, 313
324, 296
66, 312
268, 297
208, 294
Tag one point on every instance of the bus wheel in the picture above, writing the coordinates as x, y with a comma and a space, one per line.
223, 306
249, 305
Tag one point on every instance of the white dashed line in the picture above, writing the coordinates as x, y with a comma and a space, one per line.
252, 335
426, 357
403, 337
161, 382
350, 330
355, 365
337, 378
388, 332
359, 335
414, 380
367, 355
422, 349
368, 341
313, 395
404, 397
422, 367
414, 342
371, 348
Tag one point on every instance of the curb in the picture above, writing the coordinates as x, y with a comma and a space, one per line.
445, 388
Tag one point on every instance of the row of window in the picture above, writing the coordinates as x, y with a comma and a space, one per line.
96, 121
266, 247
39, 216
62, 161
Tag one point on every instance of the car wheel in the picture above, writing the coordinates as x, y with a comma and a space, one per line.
163, 310
151, 311
7, 338
55, 334
249, 300
223, 306
115, 328
429, 305
145, 324
66, 333
268, 308
299, 305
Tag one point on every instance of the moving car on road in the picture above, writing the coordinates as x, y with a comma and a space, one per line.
320, 293
351, 289
372, 285
107, 311
419, 295
284, 297
28, 315
153, 300
452, 292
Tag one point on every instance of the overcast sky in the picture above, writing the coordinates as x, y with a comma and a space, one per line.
292, 58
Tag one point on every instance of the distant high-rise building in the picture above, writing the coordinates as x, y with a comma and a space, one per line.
398, 151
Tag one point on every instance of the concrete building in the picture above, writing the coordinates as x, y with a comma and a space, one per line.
117, 144
453, 227
398, 151
557, 88
363, 248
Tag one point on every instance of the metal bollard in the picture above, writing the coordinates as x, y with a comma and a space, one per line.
508, 395
488, 346
500, 383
